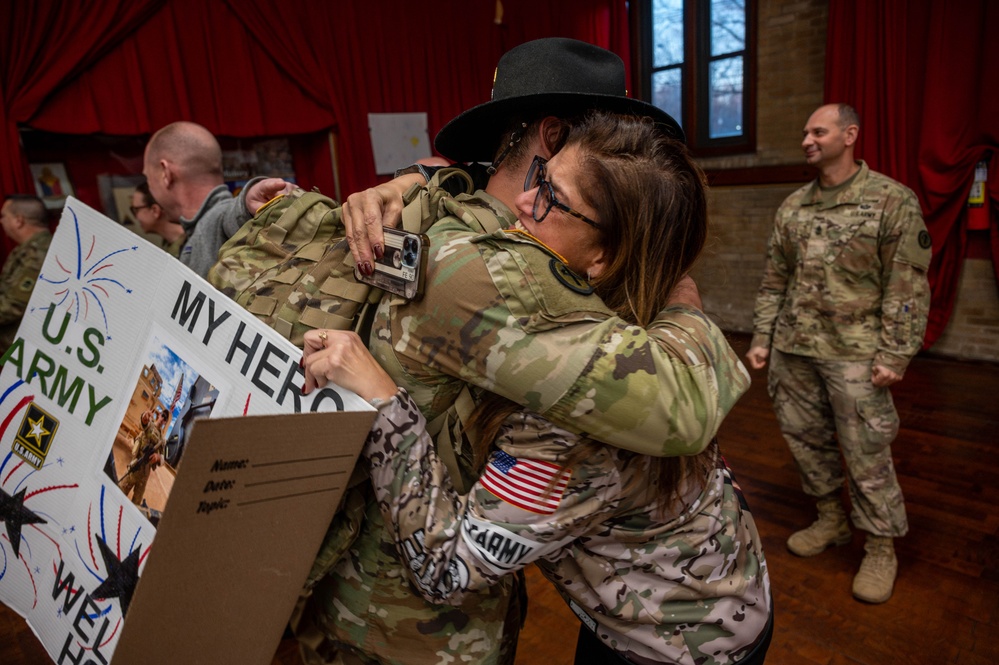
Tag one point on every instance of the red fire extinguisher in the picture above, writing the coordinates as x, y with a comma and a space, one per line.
978, 208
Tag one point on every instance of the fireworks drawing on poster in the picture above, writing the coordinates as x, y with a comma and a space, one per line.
86, 278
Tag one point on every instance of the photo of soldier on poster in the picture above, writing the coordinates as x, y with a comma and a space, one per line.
169, 395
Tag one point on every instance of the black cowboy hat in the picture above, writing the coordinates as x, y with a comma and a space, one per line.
554, 76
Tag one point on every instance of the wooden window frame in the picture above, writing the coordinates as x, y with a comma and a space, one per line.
695, 107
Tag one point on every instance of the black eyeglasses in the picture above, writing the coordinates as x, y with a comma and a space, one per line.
545, 199
135, 209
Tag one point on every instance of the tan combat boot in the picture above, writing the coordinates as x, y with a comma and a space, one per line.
830, 529
876, 577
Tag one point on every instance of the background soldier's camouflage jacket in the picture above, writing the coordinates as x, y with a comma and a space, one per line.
845, 278
500, 314
688, 586
17, 281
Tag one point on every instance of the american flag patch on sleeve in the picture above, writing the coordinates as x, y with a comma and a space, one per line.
529, 484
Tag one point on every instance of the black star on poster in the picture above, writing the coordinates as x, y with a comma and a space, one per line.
122, 575
15, 515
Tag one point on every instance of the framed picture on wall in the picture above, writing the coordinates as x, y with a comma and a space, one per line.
51, 183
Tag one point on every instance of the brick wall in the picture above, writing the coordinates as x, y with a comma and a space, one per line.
791, 63
973, 331
729, 270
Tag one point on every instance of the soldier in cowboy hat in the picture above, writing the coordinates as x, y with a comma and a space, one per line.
366, 607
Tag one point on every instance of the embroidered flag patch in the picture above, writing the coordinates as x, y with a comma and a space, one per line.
529, 484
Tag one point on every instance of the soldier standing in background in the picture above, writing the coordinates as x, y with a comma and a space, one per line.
843, 306
24, 221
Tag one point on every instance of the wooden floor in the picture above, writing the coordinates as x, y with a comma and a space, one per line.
945, 609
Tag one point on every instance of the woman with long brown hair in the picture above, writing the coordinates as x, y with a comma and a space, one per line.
658, 557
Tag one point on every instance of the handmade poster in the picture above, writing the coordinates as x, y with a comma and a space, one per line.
121, 351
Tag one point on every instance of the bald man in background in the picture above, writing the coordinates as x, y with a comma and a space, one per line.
183, 166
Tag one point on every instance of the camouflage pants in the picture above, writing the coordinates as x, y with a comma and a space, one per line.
136, 482
819, 401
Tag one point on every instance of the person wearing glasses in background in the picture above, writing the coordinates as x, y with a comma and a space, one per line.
658, 556
503, 313
152, 218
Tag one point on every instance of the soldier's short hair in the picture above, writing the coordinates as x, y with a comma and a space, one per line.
847, 116
30, 207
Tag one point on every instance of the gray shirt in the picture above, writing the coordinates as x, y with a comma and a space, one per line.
219, 217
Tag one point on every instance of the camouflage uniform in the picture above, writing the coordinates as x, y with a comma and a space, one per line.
686, 585
497, 316
137, 479
17, 281
844, 289
502, 315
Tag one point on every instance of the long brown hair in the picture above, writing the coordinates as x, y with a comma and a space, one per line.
651, 202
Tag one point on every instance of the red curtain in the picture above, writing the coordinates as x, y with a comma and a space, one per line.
193, 61
369, 57
267, 68
383, 56
922, 77
44, 45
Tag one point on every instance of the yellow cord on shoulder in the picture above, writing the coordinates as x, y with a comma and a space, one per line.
540, 242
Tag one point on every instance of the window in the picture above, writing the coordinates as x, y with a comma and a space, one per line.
697, 63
